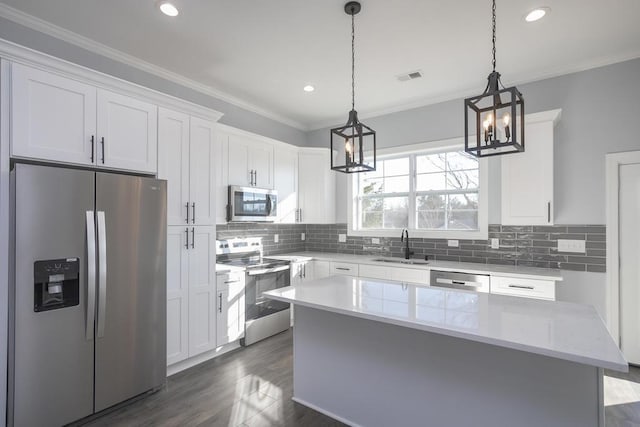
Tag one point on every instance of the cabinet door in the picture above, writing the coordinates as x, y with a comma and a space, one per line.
202, 289
202, 173
261, 162
527, 179
296, 269
127, 133
316, 188
52, 117
173, 162
177, 295
321, 269
239, 166
286, 182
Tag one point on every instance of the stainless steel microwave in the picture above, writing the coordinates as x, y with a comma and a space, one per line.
252, 204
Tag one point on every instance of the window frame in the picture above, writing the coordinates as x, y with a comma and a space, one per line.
455, 144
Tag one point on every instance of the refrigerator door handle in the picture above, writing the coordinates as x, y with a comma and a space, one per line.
102, 273
91, 274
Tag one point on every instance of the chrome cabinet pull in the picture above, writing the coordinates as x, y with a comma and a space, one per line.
548, 211
304, 271
255, 174
186, 232
522, 287
231, 281
92, 147
102, 142
193, 218
193, 237
220, 306
343, 268
187, 205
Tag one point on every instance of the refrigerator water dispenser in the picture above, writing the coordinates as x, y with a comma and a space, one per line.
56, 284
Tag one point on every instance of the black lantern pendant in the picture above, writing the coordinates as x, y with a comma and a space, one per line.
353, 146
496, 117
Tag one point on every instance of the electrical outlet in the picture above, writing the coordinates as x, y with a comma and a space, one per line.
576, 246
276, 238
342, 238
453, 243
302, 236
495, 243
375, 241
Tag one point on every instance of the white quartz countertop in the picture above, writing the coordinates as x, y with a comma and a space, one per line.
562, 330
467, 267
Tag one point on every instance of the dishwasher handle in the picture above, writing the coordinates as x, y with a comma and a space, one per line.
458, 280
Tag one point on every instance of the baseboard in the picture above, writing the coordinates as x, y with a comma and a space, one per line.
200, 358
325, 412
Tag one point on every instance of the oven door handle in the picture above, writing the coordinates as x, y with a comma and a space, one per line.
258, 272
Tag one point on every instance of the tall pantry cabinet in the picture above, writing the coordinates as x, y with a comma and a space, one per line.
186, 159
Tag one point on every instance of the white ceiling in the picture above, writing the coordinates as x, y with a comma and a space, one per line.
261, 53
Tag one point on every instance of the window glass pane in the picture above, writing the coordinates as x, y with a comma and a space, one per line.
396, 212
430, 163
463, 212
398, 184
372, 186
462, 180
395, 167
461, 160
431, 182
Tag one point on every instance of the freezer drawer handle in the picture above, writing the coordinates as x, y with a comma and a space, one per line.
91, 274
102, 273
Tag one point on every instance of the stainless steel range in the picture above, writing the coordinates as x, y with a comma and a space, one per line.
263, 317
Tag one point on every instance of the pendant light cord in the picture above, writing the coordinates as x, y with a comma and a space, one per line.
494, 34
353, 61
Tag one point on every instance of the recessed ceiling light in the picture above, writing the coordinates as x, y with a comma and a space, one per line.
168, 8
536, 14
308, 88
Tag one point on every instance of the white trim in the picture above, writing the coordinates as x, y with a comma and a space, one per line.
425, 147
201, 358
613, 163
32, 58
60, 33
4, 231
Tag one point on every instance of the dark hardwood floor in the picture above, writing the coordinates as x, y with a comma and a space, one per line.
253, 387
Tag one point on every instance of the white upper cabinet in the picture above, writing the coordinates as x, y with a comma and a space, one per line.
527, 178
61, 119
286, 183
173, 162
250, 160
202, 174
128, 132
52, 117
187, 160
316, 187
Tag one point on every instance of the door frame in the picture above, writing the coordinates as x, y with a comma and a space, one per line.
613, 163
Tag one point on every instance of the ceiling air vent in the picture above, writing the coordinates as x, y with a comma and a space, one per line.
410, 76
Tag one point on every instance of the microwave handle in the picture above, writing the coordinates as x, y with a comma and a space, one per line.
269, 205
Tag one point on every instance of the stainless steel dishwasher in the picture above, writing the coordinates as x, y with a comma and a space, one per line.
457, 280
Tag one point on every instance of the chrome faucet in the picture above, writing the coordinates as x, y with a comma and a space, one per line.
405, 237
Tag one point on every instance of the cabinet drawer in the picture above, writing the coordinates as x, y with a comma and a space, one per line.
232, 281
532, 288
412, 275
344, 268
374, 271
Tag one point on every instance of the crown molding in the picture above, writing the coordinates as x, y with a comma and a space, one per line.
93, 46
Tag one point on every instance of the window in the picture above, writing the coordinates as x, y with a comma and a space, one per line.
433, 193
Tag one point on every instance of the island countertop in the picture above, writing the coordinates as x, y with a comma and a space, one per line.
562, 330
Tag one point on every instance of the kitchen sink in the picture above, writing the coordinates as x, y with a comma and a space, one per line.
403, 261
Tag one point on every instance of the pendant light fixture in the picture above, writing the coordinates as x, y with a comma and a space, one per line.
494, 121
353, 146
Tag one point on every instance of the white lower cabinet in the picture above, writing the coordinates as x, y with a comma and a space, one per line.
374, 271
344, 268
530, 288
400, 274
191, 291
301, 271
230, 307
321, 269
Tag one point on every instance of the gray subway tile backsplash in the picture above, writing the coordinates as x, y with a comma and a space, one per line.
528, 245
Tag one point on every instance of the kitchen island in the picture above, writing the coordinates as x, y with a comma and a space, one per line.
381, 353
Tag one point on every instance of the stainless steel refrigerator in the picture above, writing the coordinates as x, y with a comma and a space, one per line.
88, 292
